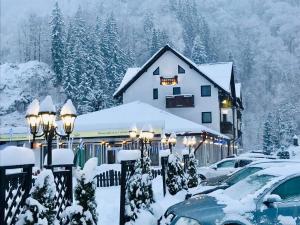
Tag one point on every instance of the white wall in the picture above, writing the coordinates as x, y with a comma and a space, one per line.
190, 83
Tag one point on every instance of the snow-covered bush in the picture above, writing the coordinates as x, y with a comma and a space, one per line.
192, 171
39, 207
139, 192
176, 180
83, 211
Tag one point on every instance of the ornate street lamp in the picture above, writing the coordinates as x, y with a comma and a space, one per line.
44, 115
172, 141
189, 142
145, 136
163, 140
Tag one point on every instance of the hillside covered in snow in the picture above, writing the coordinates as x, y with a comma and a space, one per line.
20, 84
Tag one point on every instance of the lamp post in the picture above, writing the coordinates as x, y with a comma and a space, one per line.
189, 142
44, 115
145, 136
172, 141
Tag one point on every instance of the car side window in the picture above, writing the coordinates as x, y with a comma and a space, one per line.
289, 190
244, 162
226, 164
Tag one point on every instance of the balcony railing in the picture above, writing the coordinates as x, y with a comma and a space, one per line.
179, 101
226, 128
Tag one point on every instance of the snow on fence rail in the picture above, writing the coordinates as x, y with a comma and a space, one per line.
113, 177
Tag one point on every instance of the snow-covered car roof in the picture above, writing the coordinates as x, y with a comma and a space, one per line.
257, 155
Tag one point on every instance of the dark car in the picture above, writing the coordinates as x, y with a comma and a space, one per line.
269, 196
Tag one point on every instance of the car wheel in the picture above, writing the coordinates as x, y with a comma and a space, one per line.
202, 177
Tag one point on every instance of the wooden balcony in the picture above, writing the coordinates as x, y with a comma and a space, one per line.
179, 101
226, 128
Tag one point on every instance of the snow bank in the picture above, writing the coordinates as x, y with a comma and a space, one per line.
126, 155
13, 155
106, 167
144, 218
185, 151
89, 168
61, 156
164, 153
68, 108
47, 105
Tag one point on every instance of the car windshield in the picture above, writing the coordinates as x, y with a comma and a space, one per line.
241, 174
226, 164
247, 186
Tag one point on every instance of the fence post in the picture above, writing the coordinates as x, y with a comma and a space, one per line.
164, 161
2, 195
69, 184
125, 166
185, 162
123, 189
27, 182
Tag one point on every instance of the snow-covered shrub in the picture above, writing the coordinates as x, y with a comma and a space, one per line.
192, 171
139, 192
176, 180
39, 207
83, 211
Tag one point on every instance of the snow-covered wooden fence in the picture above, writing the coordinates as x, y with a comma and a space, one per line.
14, 189
16, 180
113, 177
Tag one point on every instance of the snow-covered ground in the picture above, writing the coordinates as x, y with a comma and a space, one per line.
108, 200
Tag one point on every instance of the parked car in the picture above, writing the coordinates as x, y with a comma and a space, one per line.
216, 184
258, 155
269, 196
223, 167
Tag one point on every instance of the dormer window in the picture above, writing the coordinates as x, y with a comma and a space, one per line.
180, 70
156, 71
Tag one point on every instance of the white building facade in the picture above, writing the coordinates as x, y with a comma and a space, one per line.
205, 94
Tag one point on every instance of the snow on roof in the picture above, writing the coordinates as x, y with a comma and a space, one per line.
138, 114
238, 90
220, 73
129, 75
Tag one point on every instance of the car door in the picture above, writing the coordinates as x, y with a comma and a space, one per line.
226, 167
287, 207
289, 192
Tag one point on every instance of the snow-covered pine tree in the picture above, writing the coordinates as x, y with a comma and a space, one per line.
83, 211
192, 171
39, 207
113, 56
176, 180
267, 136
148, 29
57, 43
154, 42
199, 54
139, 192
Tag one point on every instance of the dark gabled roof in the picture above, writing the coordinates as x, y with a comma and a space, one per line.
156, 56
